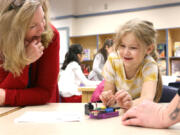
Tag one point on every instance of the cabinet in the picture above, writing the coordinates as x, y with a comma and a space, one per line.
89, 44
102, 39
169, 63
162, 50
173, 55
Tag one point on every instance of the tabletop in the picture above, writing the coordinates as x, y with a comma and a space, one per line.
7, 110
87, 88
87, 126
87, 92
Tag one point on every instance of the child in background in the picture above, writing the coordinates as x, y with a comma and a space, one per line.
100, 59
132, 72
72, 76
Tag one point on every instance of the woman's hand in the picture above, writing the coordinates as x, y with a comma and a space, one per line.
2, 97
108, 98
34, 50
123, 99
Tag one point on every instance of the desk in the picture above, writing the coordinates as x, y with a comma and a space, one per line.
7, 110
87, 93
111, 126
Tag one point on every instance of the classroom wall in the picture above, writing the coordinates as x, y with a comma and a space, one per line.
81, 16
61, 7
95, 6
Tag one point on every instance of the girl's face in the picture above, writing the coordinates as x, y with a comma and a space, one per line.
132, 52
81, 57
36, 27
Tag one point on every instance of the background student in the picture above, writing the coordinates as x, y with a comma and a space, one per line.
29, 54
100, 59
153, 115
72, 76
132, 72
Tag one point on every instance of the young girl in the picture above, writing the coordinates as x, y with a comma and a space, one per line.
72, 76
132, 72
100, 59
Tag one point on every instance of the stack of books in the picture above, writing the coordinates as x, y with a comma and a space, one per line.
161, 48
177, 49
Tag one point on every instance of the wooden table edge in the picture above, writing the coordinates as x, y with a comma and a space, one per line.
10, 111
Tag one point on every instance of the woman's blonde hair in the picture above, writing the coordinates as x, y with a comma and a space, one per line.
146, 35
14, 24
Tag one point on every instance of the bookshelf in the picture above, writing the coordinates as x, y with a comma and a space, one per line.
88, 42
102, 38
169, 63
161, 48
89, 45
92, 43
174, 56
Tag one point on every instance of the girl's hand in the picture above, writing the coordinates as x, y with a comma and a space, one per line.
123, 99
107, 98
34, 50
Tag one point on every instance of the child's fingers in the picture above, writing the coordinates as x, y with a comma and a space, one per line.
107, 94
106, 97
126, 98
102, 99
120, 96
119, 93
111, 101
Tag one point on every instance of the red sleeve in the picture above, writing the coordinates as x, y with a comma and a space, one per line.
44, 74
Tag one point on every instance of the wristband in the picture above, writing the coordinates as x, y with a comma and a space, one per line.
179, 91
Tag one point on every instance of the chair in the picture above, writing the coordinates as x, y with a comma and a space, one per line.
168, 93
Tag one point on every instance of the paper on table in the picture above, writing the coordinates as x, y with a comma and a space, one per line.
49, 117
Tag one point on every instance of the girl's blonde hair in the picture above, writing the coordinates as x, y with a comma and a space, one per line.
14, 24
146, 35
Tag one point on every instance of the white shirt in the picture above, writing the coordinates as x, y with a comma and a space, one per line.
71, 78
98, 63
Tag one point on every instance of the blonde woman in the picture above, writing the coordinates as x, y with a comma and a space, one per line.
29, 54
131, 73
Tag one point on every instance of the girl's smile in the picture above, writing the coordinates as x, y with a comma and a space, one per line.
131, 51
127, 58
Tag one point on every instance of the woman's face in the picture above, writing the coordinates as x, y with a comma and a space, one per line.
36, 27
